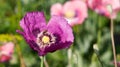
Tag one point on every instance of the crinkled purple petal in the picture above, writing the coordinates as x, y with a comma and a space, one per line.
59, 26
33, 23
55, 47
31, 43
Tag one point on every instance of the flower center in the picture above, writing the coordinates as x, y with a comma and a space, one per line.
69, 14
45, 39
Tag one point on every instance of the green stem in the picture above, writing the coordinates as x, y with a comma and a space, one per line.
113, 44
22, 63
19, 8
20, 56
69, 57
42, 61
45, 62
96, 52
99, 31
99, 39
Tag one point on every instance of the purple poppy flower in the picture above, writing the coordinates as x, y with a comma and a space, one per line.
44, 38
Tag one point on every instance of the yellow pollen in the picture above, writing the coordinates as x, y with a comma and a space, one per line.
45, 39
70, 14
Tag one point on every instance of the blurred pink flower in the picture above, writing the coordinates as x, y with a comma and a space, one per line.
79, 0
56, 9
74, 11
104, 7
118, 63
6, 51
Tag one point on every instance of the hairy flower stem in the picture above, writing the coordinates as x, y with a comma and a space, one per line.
42, 61
113, 44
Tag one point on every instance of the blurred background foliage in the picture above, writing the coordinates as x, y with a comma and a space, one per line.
81, 53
